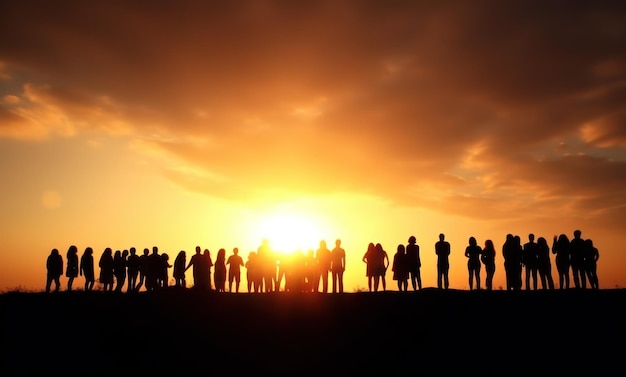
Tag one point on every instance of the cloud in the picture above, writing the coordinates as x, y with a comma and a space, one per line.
450, 105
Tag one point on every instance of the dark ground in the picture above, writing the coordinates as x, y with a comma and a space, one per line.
430, 332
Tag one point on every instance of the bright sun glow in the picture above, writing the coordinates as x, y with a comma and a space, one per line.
288, 232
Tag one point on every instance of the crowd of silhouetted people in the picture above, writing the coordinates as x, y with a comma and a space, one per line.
322, 270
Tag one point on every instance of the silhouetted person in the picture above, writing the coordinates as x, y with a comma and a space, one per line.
54, 268
267, 263
87, 268
119, 269
370, 265
234, 262
208, 264
577, 260
253, 273
338, 266
382, 263
71, 271
144, 266
400, 269
442, 249
200, 270
220, 271
591, 257
164, 275
132, 264
488, 257
473, 252
512, 254
323, 259
517, 246
543, 264
282, 262
180, 264
106, 269
312, 272
530, 255
154, 269
561, 248
414, 263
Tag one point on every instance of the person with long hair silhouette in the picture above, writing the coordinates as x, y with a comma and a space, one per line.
234, 262
338, 266
119, 269
207, 264
414, 263
472, 253
400, 269
179, 269
71, 271
267, 263
54, 268
323, 261
132, 266
164, 272
591, 257
488, 258
577, 260
561, 248
530, 256
543, 264
442, 249
220, 271
253, 274
86, 268
106, 269
369, 260
382, 264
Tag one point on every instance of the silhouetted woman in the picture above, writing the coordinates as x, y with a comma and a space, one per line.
543, 264
399, 268
106, 269
323, 261
414, 263
119, 269
561, 247
220, 271
590, 263
54, 267
71, 271
208, 264
87, 269
368, 259
488, 257
179, 269
253, 274
473, 252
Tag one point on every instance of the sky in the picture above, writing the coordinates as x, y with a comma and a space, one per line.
220, 123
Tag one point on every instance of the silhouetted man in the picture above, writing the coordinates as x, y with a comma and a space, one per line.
54, 266
442, 249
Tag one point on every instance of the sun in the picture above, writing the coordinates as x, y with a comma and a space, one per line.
288, 232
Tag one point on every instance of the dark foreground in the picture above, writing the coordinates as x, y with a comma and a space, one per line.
421, 333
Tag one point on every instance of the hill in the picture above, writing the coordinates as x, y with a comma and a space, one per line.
184, 332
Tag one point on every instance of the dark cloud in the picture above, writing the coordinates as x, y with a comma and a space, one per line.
413, 101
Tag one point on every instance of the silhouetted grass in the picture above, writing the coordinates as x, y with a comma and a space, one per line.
186, 332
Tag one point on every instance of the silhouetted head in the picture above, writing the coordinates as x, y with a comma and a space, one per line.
337, 242
472, 241
72, 250
401, 249
489, 244
118, 254
322, 244
207, 252
198, 249
531, 237
155, 250
542, 241
235, 251
125, 253
146, 251
89, 250
589, 242
133, 251
165, 256
54, 252
441, 236
109, 251
577, 233
412, 240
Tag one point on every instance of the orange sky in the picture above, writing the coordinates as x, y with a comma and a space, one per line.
196, 123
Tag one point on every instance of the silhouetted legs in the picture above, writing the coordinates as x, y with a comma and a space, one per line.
53, 279
442, 277
531, 272
490, 271
337, 281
